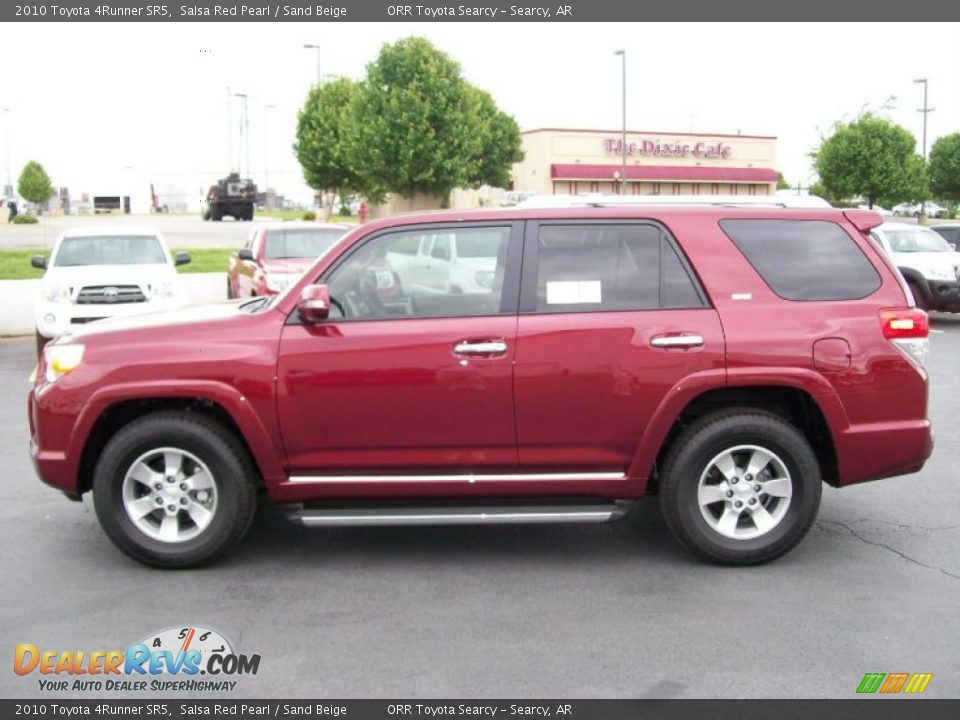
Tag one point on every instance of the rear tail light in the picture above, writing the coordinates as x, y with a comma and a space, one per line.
909, 330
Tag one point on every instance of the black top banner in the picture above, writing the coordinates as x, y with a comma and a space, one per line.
479, 11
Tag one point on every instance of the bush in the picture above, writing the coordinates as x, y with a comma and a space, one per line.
25, 220
344, 211
310, 215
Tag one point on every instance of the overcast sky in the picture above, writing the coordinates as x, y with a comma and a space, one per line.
91, 100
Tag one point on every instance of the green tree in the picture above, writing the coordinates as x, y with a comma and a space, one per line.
782, 183
945, 168
501, 147
421, 128
34, 184
324, 145
873, 158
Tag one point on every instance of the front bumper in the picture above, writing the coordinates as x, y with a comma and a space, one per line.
944, 295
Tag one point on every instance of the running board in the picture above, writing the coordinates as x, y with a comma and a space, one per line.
433, 514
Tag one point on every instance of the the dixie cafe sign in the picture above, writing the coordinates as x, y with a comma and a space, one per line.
656, 148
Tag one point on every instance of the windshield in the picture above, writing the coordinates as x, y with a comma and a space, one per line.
299, 243
110, 250
910, 241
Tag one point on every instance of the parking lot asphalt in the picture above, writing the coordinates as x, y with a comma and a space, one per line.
615, 610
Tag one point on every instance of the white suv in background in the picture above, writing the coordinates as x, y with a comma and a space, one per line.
103, 272
927, 262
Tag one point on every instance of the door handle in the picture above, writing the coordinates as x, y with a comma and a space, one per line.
480, 347
679, 342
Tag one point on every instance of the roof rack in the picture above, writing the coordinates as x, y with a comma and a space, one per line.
597, 200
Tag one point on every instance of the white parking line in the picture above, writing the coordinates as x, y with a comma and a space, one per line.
938, 332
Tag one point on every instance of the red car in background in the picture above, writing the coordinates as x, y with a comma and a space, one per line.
276, 254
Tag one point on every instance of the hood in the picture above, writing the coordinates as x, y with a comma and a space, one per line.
924, 262
85, 275
160, 319
288, 265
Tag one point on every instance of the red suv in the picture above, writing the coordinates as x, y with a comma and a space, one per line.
727, 359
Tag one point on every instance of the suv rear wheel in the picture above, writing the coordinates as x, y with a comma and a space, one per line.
174, 489
740, 487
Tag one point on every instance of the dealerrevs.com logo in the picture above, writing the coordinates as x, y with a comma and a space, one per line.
191, 658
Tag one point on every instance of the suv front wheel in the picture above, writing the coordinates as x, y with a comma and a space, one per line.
174, 489
740, 487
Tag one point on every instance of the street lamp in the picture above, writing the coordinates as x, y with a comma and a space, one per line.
623, 141
308, 46
926, 111
244, 130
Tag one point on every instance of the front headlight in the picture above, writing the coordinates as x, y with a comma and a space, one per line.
61, 359
485, 279
939, 273
279, 283
164, 290
57, 293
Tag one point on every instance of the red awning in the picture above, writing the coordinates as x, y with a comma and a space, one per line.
663, 172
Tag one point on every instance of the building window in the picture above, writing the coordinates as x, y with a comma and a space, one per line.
656, 188
733, 189
753, 189
594, 187
676, 188
715, 189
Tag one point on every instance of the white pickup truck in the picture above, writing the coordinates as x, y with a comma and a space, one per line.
448, 262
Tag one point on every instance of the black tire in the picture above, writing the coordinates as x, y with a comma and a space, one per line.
41, 343
691, 455
918, 296
236, 487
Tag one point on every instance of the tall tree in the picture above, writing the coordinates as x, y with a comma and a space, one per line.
500, 143
323, 145
782, 183
873, 158
945, 168
34, 184
421, 128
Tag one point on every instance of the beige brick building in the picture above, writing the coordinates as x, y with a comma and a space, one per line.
572, 162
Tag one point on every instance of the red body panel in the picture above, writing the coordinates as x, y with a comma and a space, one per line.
578, 392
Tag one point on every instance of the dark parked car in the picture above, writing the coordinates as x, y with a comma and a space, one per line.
728, 359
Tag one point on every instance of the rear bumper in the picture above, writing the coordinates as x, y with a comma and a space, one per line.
879, 450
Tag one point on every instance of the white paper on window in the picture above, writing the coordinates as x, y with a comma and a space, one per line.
574, 292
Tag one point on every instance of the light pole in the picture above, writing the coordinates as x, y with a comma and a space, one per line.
244, 130
623, 140
8, 188
926, 111
266, 158
309, 46
229, 130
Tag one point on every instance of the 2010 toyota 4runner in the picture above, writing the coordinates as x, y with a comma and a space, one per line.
728, 359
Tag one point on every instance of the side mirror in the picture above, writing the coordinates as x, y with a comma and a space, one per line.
245, 254
39, 262
314, 303
182, 258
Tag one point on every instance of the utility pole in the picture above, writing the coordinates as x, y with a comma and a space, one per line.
623, 139
8, 188
244, 132
309, 46
926, 110
229, 130
266, 156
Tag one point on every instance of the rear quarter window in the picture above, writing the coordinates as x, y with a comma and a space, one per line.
804, 259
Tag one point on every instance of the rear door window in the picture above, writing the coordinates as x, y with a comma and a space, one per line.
804, 259
608, 267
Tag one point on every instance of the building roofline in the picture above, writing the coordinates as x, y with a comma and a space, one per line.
647, 132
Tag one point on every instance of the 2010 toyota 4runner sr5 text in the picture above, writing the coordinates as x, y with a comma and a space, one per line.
728, 359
